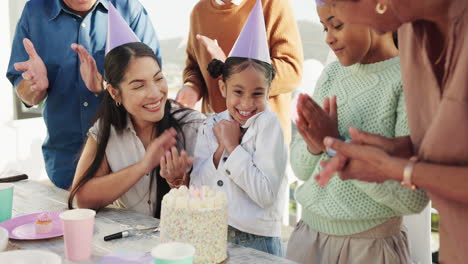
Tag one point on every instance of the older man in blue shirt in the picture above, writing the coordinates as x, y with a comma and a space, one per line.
47, 70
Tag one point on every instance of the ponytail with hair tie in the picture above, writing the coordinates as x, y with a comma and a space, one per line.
215, 68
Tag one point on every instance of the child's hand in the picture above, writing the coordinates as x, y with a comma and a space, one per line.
157, 148
175, 166
315, 123
228, 134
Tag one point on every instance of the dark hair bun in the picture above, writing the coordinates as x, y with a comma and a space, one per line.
215, 68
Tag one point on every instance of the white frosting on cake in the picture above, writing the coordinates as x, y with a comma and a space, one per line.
197, 217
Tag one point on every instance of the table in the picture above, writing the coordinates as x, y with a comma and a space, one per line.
32, 197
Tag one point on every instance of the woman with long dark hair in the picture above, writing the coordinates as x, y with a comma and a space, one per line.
136, 127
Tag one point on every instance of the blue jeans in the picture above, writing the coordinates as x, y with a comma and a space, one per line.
271, 245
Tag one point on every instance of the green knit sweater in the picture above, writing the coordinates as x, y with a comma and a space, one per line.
370, 98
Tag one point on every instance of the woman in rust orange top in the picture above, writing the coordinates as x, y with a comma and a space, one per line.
434, 63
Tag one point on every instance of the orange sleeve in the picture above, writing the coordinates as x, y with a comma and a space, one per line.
192, 75
285, 46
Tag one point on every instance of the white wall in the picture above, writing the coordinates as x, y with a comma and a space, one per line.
7, 134
171, 19
20, 140
6, 95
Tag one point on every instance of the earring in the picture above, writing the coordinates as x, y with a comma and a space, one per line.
380, 8
118, 103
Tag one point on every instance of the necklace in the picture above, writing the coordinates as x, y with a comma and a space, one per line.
442, 53
150, 204
446, 37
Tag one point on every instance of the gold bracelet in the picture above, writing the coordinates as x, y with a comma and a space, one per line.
177, 182
408, 173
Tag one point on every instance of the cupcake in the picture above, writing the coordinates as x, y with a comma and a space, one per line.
43, 223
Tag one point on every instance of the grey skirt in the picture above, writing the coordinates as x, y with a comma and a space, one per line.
383, 244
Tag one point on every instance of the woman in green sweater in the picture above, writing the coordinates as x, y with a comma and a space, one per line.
351, 221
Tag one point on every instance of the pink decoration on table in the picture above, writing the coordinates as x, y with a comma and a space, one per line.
43, 224
193, 191
126, 257
202, 193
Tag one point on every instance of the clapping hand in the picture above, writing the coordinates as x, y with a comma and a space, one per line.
188, 96
88, 69
157, 149
34, 69
315, 123
174, 167
212, 47
365, 158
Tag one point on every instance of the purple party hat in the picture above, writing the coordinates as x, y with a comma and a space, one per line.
319, 3
118, 31
252, 41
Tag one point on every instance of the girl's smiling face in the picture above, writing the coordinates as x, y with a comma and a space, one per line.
246, 93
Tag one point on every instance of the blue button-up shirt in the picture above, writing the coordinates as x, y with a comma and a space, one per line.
69, 108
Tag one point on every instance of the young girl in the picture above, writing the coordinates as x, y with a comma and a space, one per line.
351, 221
240, 151
136, 125
214, 27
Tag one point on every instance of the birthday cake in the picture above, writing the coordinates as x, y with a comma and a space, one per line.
197, 217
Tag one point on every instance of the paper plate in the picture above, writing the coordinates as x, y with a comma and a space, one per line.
22, 227
30, 256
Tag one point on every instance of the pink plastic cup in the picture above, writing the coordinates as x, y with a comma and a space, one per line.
78, 228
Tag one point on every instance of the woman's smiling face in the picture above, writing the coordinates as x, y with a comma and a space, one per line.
144, 90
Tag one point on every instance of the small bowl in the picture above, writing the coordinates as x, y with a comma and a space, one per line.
3, 238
